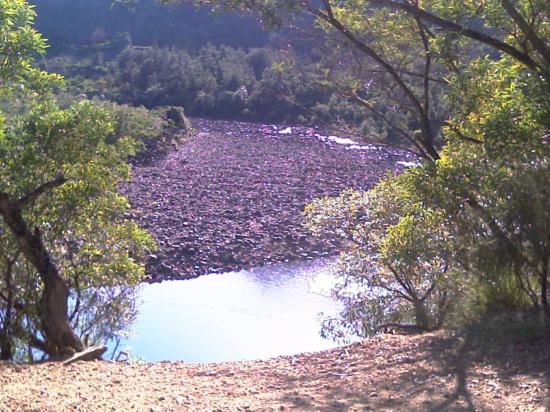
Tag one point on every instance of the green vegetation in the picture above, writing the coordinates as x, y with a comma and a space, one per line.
466, 84
216, 81
219, 66
469, 227
68, 253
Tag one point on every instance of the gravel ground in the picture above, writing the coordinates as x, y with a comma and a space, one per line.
390, 372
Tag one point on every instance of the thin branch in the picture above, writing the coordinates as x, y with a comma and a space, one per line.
347, 131
369, 106
40, 190
428, 292
399, 280
427, 64
462, 135
427, 135
409, 73
462, 30
37, 343
537, 43
76, 308
399, 293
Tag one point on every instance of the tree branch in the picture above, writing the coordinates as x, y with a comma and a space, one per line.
462, 30
421, 151
462, 135
402, 282
38, 343
40, 190
427, 135
428, 292
537, 43
427, 64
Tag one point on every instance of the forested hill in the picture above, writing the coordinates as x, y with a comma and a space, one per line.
80, 22
212, 65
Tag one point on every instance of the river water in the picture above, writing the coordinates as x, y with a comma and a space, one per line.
250, 314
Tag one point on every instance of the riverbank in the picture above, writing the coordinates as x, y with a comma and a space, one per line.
437, 371
231, 196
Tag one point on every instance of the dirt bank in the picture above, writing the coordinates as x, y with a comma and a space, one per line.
231, 197
438, 372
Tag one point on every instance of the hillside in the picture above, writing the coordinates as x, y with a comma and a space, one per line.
79, 22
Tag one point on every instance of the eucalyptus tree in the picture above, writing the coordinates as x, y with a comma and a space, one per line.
398, 263
63, 226
467, 84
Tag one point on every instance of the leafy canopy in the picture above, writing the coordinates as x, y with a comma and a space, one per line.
60, 169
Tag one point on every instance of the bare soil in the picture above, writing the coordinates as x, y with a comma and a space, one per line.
433, 372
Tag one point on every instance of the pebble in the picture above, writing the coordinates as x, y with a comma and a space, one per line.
237, 201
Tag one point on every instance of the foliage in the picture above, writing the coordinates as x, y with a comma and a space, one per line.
498, 189
477, 217
398, 265
479, 208
19, 42
136, 123
83, 222
65, 241
465, 83
402, 52
222, 82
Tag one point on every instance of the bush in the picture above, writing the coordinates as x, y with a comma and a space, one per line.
397, 264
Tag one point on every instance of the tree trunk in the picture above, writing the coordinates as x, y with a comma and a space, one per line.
6, 347
421, 317
544, 288
60, 339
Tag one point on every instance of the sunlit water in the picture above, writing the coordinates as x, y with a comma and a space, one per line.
256, 314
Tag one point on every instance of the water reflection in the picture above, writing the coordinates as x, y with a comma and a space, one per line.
254, 314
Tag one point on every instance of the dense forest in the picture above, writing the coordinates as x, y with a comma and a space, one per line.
211, 66
461, 235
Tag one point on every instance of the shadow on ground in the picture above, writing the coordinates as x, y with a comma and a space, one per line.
493, 365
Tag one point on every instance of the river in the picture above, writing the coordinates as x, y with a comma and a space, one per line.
249, 314
233, 196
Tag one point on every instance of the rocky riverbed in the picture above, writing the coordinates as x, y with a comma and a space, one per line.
232, 195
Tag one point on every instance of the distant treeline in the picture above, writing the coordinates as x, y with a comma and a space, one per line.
80, 22
215, 81
155, 55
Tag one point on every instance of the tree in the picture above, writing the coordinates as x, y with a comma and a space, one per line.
485, 151
497, 192
397, 262
475, 222
409, 49
63, 228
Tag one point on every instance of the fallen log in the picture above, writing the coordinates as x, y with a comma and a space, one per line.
90, 354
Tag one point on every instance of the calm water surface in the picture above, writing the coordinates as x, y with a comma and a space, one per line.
265, 312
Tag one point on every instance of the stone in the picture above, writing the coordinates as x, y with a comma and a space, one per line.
243, 185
